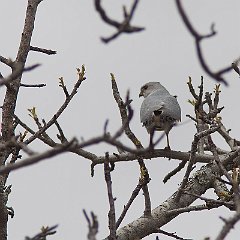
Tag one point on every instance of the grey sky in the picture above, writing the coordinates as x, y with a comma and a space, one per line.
55, 191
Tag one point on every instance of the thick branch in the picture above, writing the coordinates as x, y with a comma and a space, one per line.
160, 216
9, 105
12, 91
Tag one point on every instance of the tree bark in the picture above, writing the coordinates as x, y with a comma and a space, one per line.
9, 106
144, 226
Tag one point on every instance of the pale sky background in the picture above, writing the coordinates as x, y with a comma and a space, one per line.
56, 190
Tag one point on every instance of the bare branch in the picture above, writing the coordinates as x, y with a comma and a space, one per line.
17, 72
33, 85
125, 122
61, 135
13, 83
175, 171
192, 161
32, 67
111, 199
211, 203
158, 153
92, 225
144, 226
81, 78
225, 134
229, 224
172, 235
6, 61
63, 86
45, 231
190, 209
198, 40
217, 159
127, 206
123, 27
11, 94
28, 129
36, 158
43, 50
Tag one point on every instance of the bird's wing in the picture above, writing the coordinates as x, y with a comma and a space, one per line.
148, 106
157, 101
172, 108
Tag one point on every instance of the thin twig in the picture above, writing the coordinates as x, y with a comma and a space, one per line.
45, 231
43, 50
172, 235
229, 224
174, 171
92, 225
192, 161
61, 109
189, 209
33, 85
37, 157
127, 206
124, 115
61, 135
213, 202
17, 72
111, 213
6, 61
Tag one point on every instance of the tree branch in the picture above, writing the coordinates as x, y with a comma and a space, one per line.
37, 157
33, 85
144, 226
45, 231
43, 50
198, 40
229, 223
81, 78
124, 26
125, 122
111, 199
92, 225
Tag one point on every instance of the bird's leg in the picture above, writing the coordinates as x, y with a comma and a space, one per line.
168, 145
151, 139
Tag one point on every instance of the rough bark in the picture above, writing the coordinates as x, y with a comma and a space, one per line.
144, 226
9, 106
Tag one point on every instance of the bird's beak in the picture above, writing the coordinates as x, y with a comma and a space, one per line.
140, 94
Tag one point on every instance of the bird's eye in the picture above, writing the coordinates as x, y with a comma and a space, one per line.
145, 87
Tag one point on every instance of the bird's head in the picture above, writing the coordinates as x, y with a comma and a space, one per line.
148, 88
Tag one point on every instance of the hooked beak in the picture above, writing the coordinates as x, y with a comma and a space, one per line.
140, 94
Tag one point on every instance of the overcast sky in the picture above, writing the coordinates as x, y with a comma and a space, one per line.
55, 191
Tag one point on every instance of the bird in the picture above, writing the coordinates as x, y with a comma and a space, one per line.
159, 110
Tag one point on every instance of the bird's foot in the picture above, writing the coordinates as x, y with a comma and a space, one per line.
167, 148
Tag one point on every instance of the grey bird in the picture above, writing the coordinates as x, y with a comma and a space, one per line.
159, 110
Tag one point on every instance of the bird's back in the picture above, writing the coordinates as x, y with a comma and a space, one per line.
160, 100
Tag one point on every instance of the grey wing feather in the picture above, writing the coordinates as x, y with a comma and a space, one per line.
159, 100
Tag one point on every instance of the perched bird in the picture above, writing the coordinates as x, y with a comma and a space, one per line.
159, 110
